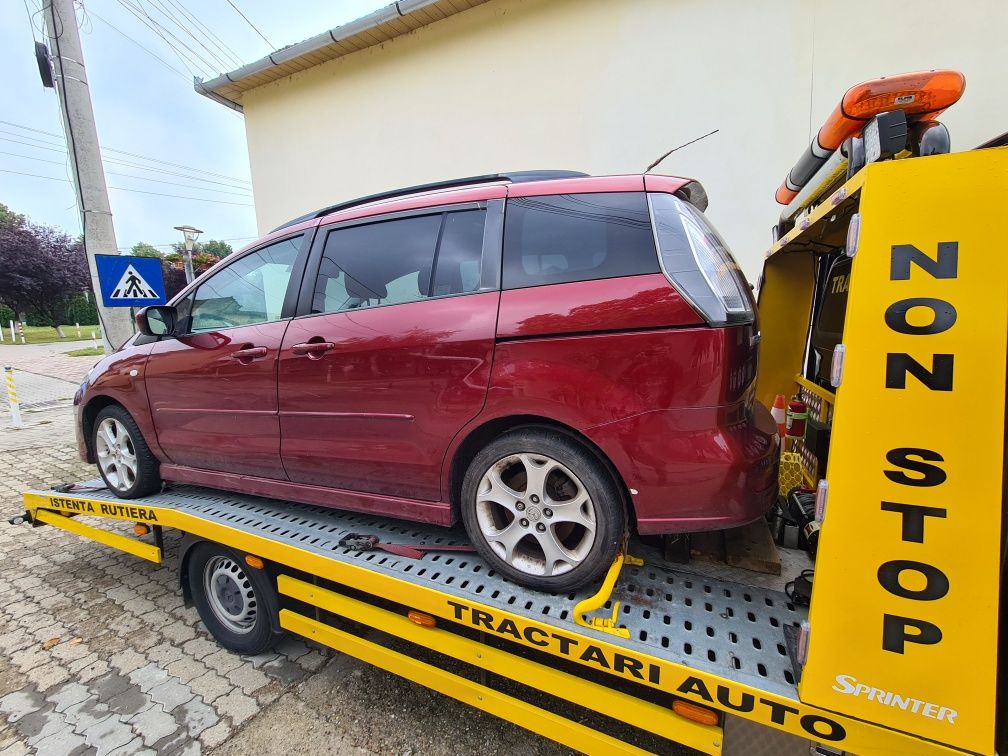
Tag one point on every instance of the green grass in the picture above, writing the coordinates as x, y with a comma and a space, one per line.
48, 335
86, 352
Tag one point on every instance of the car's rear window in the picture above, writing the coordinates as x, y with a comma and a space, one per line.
577, 237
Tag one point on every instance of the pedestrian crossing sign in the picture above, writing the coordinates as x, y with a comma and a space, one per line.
128, 281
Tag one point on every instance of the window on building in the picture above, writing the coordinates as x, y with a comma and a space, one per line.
250, 290
577, 237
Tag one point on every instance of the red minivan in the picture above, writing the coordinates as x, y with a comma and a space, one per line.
551, 357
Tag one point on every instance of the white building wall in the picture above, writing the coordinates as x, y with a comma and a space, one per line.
605, 86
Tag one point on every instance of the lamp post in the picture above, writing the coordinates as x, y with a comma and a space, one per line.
191, 234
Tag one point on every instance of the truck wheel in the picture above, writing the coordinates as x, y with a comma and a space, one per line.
125, 462
543, 510
233, 601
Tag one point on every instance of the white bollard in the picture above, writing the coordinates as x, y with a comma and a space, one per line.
78, 329
13, 338
1, 335
12, 400
94, 341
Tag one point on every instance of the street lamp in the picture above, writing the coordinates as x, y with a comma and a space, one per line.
191, 234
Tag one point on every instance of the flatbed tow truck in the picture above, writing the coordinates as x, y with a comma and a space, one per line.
898, 651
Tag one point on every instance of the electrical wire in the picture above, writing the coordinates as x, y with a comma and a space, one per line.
141, 15
128, 164
133, 176
208, 33
184, 27
121, 152
238, 10
124, 189
145, 49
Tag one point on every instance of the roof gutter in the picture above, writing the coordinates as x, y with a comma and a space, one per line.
336, 34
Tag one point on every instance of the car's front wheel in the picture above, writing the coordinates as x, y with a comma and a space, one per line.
543, 510
125, 462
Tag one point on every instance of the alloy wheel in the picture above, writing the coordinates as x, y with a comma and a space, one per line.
116, 454
536, 514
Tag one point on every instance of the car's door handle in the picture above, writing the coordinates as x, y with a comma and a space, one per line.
249, 353
312, 348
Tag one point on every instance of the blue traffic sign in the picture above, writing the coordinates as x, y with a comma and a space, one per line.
128, 281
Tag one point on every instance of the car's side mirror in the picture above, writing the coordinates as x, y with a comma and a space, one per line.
157, 320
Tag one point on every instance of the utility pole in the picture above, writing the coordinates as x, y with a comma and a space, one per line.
85, 157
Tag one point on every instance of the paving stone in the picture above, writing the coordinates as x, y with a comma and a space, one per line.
186, 669
170, 694
222, 661
178, 632
48, 676
284, 671
214, 736
200, 647
237, 706
127, 660
164, 653
313, 660
61, 743
52, 724
195, 716
42, 722
292, 648
93, 670
68, 694
107, 735
210, 686
110, 685
20, 703
154, 724
133, 748
248, 678
130, 702
147, 677
78, 664
87, 713
29, 658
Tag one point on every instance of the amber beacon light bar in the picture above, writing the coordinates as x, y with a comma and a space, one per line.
921, 96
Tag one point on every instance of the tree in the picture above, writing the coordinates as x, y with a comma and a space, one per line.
41, 269
143, 249
217, 248
9, 218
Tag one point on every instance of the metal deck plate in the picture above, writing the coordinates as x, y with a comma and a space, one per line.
722, 627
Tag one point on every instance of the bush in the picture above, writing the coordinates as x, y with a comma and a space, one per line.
79, 309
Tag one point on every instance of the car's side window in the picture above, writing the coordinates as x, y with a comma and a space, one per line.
577, 237
248, 291
400, 260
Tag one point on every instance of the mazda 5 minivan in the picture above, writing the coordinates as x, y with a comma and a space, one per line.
551, 357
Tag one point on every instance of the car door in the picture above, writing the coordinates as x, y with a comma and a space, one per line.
212, 390
393, 356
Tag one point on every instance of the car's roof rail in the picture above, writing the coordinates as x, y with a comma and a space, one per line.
515, 177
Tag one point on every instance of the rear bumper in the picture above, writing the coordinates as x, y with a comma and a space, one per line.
695, 469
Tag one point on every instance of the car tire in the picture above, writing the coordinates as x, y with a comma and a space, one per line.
542, 510
233, 600
124, 460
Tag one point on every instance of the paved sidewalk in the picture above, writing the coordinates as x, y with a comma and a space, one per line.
98, 655
49, 359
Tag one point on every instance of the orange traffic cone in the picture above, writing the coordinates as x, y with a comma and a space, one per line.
779, 414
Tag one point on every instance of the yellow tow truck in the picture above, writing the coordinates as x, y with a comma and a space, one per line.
897, 653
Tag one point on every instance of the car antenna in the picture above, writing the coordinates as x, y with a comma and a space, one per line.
684, 144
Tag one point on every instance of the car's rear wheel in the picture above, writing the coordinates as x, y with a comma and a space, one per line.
124, 460
543, 510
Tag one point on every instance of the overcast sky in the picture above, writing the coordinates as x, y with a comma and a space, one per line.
147, 107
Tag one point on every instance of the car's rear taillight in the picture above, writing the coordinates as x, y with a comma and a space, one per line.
697, 262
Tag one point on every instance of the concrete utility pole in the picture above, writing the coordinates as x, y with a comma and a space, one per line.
85, 157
